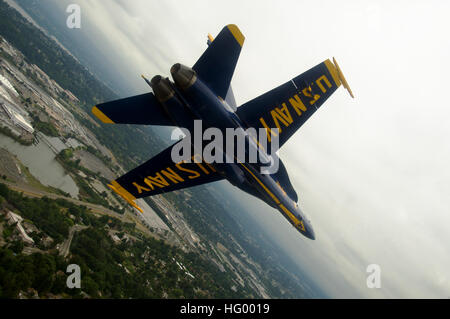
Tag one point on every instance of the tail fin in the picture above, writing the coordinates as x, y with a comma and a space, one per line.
229, 98
210, 39
216, 65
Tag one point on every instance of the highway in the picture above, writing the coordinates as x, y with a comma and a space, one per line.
37, 193
96, 209
65, 246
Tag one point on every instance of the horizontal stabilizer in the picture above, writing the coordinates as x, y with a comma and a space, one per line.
140, 109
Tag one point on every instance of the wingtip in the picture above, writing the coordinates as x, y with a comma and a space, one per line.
236, 33
101, 116
124, 196
139, 209
342, 78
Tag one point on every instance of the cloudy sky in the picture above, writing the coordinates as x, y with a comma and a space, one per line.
371, 173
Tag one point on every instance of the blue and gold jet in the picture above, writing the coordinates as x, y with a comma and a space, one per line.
203, 92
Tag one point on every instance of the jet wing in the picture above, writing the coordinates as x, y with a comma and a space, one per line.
140, 109
160, 175
290, 105
216, 65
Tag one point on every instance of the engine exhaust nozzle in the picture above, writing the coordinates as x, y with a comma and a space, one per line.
183, 76
162, 88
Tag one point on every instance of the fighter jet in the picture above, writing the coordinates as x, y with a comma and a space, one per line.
203, 93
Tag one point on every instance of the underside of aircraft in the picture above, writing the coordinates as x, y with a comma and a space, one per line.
204, 93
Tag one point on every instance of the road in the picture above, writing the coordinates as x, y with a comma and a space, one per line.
65, 246
37, 193
96, 209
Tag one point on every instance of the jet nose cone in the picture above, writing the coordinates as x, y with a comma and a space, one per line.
311, 235
305, 227
309, 231
183, 76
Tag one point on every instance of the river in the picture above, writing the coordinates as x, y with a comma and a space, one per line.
42, 164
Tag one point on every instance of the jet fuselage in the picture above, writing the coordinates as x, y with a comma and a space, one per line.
190, 92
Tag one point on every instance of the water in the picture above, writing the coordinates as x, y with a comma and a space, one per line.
42, 164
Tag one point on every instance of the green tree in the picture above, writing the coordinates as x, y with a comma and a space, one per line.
17, 246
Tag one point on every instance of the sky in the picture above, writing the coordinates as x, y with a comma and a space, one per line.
372, 172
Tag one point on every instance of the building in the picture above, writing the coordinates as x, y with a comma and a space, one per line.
18, 119
71, 96
16, 219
